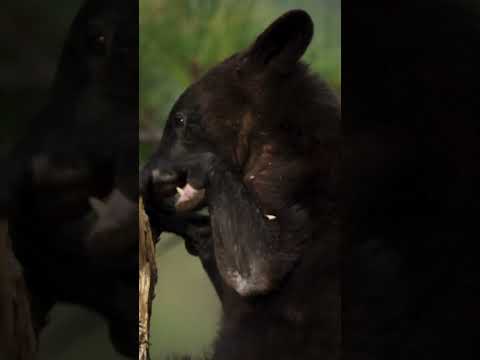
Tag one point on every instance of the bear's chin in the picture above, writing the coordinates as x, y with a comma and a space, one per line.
188, 198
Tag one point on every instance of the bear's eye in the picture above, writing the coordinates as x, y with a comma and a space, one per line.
179, 120
97, 44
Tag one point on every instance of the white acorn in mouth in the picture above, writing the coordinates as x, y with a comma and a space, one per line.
188, 198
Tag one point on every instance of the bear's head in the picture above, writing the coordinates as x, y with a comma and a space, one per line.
272, 122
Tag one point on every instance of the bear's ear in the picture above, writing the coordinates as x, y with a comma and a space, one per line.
283, 43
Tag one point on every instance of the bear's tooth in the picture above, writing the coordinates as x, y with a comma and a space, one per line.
270, 217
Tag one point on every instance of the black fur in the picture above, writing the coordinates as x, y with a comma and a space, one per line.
83, 144
411, 80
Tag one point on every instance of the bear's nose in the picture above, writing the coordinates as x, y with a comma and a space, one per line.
164, 183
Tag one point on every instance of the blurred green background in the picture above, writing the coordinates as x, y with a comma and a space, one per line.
180, 40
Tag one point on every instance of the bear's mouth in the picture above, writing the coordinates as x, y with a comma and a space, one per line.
189, 198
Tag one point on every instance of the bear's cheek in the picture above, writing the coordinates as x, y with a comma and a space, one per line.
264, 178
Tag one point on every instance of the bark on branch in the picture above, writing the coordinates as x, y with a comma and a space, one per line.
146, 282
17, 337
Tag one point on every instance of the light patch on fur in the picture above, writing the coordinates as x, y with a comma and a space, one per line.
189, 198
242, 147
111, 213
155, 175
254, 283
241, 284
270, 217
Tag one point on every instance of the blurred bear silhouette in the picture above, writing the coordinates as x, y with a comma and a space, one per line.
73, 180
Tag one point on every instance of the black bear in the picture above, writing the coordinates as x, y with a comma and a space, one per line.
257, 140
74, 178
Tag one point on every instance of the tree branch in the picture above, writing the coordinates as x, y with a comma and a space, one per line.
17, 337
146, 282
